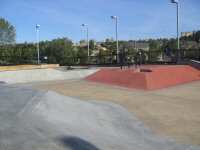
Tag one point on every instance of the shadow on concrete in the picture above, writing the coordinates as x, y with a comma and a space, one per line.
2, 82
76, 143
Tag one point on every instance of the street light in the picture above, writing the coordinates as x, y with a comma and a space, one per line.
116, 32
88, 43
178, 40
38, 47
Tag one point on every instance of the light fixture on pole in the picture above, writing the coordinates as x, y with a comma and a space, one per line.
116, 34
38, 46
177, 24
88, 42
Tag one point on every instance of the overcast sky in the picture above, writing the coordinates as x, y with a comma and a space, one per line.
138, 19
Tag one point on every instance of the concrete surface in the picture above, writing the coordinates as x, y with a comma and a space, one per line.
38, 120
36, 75
157, 76
172, 112
27, 67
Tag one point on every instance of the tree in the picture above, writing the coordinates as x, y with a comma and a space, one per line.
197, 36
154, 45
60, 51
7, 32
110, 46
172, 44
92, 44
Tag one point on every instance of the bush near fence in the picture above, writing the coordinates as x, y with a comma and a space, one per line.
147, 58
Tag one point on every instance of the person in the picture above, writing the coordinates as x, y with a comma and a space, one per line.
121, 58
128, 61
168, 51
138, 58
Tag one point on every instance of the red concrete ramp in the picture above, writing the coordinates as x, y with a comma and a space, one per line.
152, 77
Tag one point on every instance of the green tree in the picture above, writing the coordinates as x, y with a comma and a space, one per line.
110, 46
60, 51
197, 36
154, 45
92, 44
7, 32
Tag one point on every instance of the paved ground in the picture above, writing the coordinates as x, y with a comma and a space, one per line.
44, 120
173, 112
48, 74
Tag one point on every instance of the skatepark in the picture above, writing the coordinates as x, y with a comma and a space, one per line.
56, 108
100, 75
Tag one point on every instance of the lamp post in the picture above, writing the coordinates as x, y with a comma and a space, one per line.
177, 25
38, 46
88, 42
116, 34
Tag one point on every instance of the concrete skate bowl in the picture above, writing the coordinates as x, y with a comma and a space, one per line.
148, 77
38, 120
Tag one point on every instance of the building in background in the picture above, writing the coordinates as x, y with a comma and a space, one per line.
139, 45
187, 34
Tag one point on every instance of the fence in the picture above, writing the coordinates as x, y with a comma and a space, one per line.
151, 57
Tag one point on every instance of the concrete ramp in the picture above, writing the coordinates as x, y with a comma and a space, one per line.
148, 77
36, 75
39, 120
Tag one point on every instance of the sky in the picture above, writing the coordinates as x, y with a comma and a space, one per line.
138, 19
